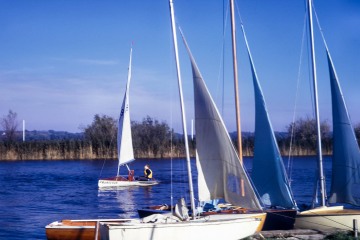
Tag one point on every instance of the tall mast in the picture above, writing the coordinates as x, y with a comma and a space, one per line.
236, 87
191, 188
319, 152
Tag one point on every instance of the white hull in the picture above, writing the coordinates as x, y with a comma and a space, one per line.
327, 218
220, 226
108, 183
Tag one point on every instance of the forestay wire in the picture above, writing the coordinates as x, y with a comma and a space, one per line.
290, 159
222, 57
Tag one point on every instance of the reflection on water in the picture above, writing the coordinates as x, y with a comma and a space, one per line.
36, 193
122, 197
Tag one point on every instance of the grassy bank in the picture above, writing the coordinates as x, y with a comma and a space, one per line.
81, 149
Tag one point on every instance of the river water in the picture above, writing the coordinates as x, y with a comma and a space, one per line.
36, 193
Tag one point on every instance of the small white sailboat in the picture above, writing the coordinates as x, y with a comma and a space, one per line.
85, 229
125, 148
345, 162
220, 175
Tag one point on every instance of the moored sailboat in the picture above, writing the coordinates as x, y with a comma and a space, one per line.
345, 162
125, 147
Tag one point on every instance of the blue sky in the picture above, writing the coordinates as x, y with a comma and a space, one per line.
62, 62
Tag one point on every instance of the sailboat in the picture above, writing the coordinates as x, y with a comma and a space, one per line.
268, 174
125, 147
85, 229
345, 161
219, 171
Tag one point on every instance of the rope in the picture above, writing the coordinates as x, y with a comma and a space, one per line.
171, 57
321, 31
108, 154
222, 57
290, 162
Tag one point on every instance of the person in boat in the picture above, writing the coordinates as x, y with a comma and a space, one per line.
148, 174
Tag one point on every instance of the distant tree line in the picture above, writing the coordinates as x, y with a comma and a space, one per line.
151, 139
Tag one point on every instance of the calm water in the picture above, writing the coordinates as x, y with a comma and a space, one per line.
35, 193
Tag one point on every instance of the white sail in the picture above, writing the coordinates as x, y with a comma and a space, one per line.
124, 138
203, 190
218, 160
125, 146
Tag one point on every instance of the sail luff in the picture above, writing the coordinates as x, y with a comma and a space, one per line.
124, 138
268, 172
317, 117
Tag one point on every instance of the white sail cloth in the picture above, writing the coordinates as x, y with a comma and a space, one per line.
124, 138
220, 173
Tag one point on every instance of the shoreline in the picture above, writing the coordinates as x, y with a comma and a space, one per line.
139, 158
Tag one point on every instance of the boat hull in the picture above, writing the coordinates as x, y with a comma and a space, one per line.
327, 218
123, 182
221, 226
74, 229
279, 219
71, 230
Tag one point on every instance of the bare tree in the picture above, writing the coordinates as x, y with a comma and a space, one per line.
10, 124
304, 134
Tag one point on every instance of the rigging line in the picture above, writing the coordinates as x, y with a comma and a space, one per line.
255, 74
251, 62
290, 161
320, 29
328, 52
171, 125
107, 153
171, 161
222, 58
309, 73
331, 61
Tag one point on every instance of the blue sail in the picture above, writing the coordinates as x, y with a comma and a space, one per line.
268, 172
346, 155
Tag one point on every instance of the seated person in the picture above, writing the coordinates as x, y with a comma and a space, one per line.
147, 174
